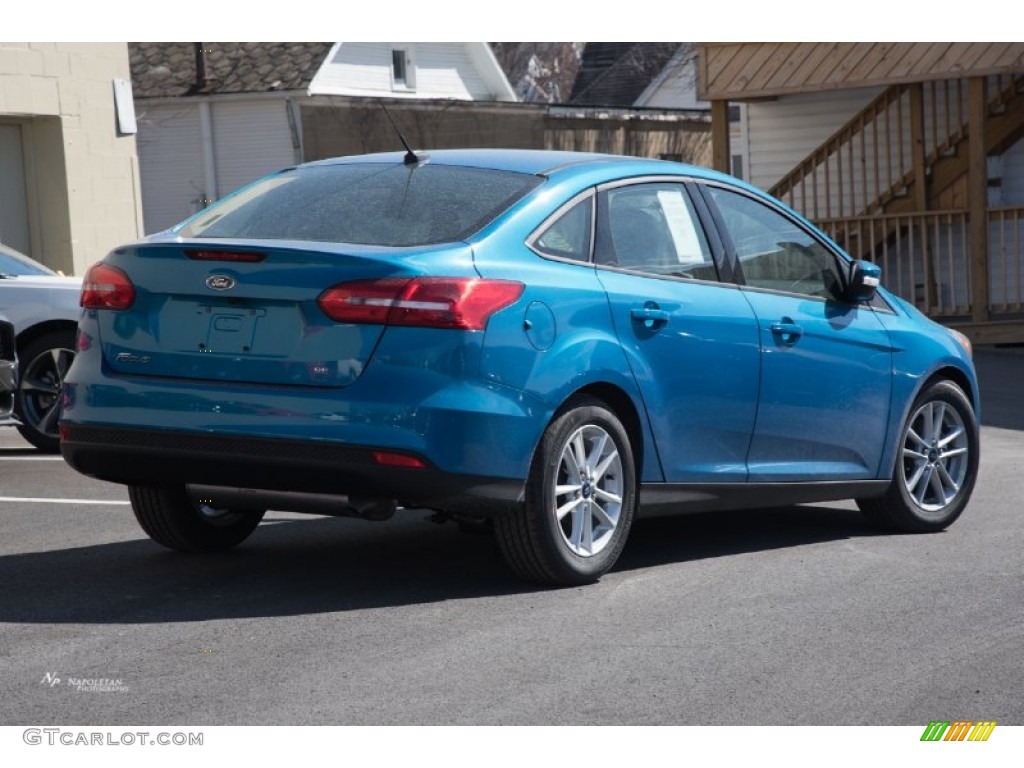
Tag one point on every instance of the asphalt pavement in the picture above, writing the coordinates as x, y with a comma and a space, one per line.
800, 615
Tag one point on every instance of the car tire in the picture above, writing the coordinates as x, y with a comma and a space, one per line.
936, 464
574, 521
43, 363
171, 518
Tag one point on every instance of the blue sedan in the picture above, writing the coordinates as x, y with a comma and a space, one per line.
549, 342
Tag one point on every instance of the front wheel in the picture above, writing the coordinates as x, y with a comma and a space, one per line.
170, 517
936, 464
580, 500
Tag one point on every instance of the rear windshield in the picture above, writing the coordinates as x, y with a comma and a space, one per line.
367, 203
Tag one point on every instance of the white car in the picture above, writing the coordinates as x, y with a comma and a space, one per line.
8, 372
43, 306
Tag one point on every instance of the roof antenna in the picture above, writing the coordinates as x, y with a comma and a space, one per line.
411, 158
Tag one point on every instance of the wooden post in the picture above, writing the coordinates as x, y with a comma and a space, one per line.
916, 92
720, 135
977, 197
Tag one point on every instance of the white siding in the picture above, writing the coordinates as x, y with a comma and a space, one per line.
677, 89
785, 131
170, 164
442, 71
250, 139
1013, 175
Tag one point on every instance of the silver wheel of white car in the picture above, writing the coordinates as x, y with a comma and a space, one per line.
44, 364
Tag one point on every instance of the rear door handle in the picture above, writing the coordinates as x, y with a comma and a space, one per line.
650, 315
787, 331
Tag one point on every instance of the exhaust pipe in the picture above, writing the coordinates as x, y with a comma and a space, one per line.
365, 508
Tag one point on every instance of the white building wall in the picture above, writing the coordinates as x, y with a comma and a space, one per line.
170, 164
81, 173
1012, 187
437, 71
783, 132
251, 138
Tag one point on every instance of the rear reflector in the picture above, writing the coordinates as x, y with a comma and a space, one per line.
388, 459
429, 302
106, 287
206, 255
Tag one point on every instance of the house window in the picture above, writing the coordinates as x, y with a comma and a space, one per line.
398, 66
403, 69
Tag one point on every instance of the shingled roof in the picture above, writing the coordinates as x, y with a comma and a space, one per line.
615, 74
169, 69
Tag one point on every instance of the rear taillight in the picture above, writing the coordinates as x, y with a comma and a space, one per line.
430, 302
106, 287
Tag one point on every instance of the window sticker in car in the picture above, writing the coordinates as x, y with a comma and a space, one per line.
680, 225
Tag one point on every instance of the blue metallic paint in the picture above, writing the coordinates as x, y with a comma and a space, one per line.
478, 403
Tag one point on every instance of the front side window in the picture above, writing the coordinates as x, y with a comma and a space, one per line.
365, 203
774, 252
653, 228
568, 236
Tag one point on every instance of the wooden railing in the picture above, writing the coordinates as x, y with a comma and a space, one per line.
926, 257
825, 184
873, 159
1006, 259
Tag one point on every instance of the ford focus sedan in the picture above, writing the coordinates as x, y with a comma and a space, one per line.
557, 343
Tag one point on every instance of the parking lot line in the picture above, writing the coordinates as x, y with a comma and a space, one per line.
21, 499
31, 458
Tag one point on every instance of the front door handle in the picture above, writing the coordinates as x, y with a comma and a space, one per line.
787, 331
650, 315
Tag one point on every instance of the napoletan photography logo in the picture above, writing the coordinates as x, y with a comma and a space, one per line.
958, 730
84, 684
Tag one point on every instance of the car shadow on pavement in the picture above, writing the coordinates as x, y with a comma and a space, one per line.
323, 565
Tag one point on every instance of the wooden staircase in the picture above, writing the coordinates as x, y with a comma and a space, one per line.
868, 166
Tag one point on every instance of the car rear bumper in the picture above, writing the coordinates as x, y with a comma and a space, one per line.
171, 458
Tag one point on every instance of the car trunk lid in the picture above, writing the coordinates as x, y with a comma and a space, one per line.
246, 311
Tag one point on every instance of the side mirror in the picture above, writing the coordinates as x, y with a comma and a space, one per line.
864, 279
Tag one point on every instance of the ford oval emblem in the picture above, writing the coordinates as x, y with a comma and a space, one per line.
220, 282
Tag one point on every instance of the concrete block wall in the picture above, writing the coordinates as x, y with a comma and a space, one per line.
82, 174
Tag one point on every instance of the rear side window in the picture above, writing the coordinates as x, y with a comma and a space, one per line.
568, 236
367, 203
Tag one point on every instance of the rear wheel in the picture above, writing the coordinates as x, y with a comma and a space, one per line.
580, 499
936, 466
170, 517
44, 362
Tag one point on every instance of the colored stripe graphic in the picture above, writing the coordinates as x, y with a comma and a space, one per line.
934, 730
958, 730
982, 730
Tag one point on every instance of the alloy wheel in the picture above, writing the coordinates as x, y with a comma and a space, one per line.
935, 456
587, 497
42, 385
